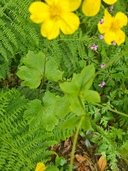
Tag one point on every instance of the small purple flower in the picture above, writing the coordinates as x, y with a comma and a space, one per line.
94, 47
114, 42
102, 84
101, 36
102, 65
101, 21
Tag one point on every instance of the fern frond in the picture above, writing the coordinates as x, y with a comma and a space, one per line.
17, 33
22, 148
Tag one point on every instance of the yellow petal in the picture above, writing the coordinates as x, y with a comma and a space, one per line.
39, 11
109, 37
120, 37
122, 19
91, 7
73, 4
110, 2
70, 5
50, 2
69, 23
103, 28
107, 15
40, 167
50, 29
106, 25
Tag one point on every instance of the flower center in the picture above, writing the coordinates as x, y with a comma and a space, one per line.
115, 25
55, 11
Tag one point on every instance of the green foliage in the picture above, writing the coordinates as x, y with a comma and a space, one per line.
110, 144
32, 74
61, 89
78, 89
46, 116
17, 33
20, 147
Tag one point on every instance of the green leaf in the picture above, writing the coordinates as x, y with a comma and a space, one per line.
79, 81
34, 113
90, 96
52, 72
62, 107
69, 88
52, 168
75, 105
86, 125
35, 61
71, 122
60, 161
85, 78
39, 115
78, 87
31, 77
32, 72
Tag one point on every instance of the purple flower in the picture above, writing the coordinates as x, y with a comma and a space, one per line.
101, 36
114, 42
94, 47
102, 65
102, 84
101, 21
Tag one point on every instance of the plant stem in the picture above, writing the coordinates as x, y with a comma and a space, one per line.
112, 110
43, 78
75, 142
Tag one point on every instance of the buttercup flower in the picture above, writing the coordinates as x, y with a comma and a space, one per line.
92, 7
55, 15
40, 167
111, 27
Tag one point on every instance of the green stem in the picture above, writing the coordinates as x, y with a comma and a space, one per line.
112, 110
43, 78
76, 135
75, 142
17, 152
78, 128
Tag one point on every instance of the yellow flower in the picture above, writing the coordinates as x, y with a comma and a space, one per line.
111, 27
92, 7
40, 167
55, 15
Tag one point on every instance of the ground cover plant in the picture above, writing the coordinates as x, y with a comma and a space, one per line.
64, 85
